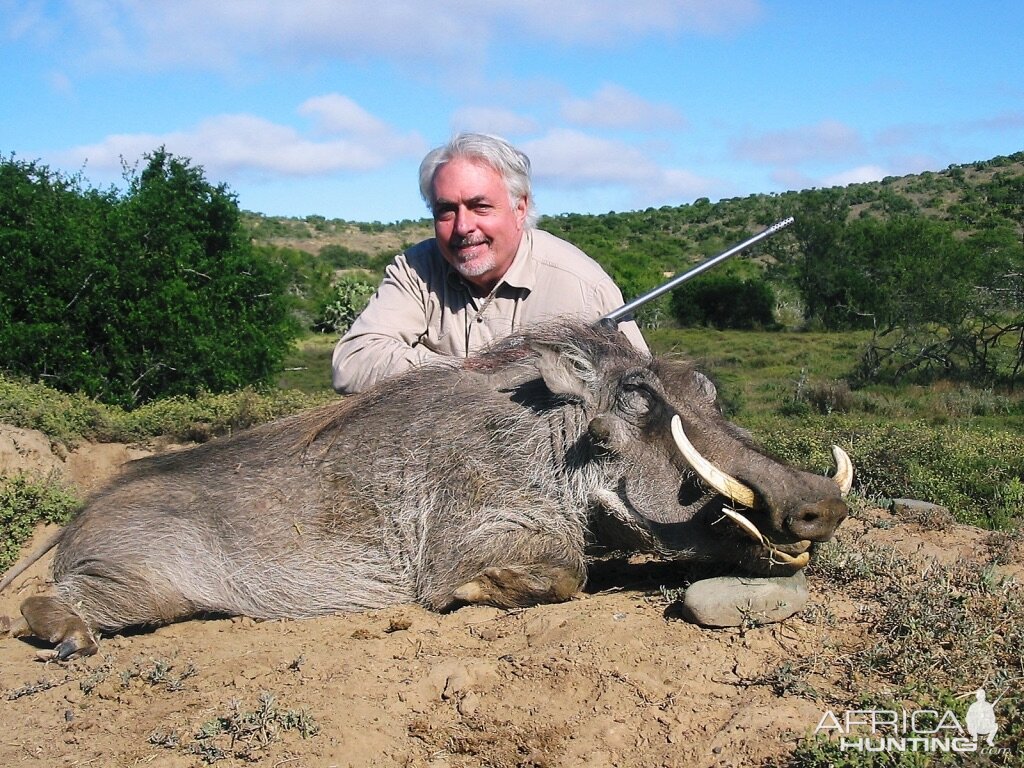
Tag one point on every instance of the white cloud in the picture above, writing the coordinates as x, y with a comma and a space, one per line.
568, 158
335, 114
604, 21
827, 140
223, 34
243, 144
856, 175
612, 106
496, 120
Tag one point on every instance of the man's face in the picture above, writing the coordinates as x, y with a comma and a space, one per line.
478, 229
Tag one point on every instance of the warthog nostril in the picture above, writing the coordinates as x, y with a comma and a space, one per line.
818, 521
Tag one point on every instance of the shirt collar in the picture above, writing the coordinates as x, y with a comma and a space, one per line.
522, 273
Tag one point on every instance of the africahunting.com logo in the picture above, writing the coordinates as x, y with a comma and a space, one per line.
914, 730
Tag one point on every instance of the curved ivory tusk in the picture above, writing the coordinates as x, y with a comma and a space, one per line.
748, 527
844, 470
708, 472
799, 561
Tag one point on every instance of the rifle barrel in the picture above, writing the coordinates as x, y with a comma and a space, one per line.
627, 309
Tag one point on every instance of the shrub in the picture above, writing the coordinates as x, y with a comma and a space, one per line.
351, 295
25, 500
340, 257
129, 297
68, 418
962, 469
724, 301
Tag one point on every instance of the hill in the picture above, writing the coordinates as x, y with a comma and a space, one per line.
985, 194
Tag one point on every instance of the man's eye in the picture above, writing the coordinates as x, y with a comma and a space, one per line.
444, 214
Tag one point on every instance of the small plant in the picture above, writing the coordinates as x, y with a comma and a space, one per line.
30, 689
244, 734
159, 673
25, 500
96, 676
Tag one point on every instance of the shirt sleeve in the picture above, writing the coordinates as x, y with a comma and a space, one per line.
608, 297
385, 339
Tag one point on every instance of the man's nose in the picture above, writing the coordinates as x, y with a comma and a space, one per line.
465, 221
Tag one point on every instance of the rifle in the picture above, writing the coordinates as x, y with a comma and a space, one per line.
611, 320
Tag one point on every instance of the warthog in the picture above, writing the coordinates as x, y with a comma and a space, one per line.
483, 481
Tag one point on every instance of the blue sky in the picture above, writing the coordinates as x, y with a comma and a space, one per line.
314, 107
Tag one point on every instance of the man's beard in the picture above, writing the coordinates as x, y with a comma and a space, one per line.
475, 265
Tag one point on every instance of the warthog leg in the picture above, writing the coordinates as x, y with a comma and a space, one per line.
520, 586
50, 619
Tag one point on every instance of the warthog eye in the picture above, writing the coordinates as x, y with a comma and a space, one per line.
634, 402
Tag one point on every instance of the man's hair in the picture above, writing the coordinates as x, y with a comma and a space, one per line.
511, 164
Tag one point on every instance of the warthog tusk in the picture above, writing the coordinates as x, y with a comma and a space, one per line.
723, 483
748, 527
777, 555
800, 561
844, 470
729, 486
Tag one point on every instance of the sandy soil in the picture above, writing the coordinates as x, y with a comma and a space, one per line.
610, 679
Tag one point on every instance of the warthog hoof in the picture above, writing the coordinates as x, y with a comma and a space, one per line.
49, 619
732, 601
520, 586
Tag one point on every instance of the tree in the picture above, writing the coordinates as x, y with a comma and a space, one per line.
817, 268
943, 304
349, 298
126, 297
724, 301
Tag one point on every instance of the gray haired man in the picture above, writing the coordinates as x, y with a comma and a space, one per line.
486, 273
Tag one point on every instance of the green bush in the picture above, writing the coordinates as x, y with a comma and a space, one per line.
127, 297
351, 295
724, 301
965, 470
68, 418
340, 257
26, 500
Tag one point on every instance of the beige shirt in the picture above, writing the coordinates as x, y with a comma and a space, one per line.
424, 311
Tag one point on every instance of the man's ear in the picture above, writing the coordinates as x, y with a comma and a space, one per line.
567, 371
521, 207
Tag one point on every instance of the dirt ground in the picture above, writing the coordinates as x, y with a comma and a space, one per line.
610, 679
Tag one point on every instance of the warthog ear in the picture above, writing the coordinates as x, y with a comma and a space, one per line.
567, 371
705, 387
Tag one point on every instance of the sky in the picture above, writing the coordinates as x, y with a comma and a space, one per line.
318, 107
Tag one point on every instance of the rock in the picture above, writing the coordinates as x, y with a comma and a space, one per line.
731, 601
924, 513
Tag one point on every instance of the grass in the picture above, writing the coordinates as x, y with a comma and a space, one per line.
307, 368
800, 373
929, 626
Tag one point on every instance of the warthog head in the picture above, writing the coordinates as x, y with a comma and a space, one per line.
678, 478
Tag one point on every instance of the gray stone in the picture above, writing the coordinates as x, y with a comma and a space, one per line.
916, 507
732, 601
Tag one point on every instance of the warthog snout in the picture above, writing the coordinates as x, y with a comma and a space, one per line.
817, 521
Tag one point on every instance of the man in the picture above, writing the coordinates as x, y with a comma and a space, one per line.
486, 273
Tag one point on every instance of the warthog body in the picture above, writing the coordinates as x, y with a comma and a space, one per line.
480, 482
